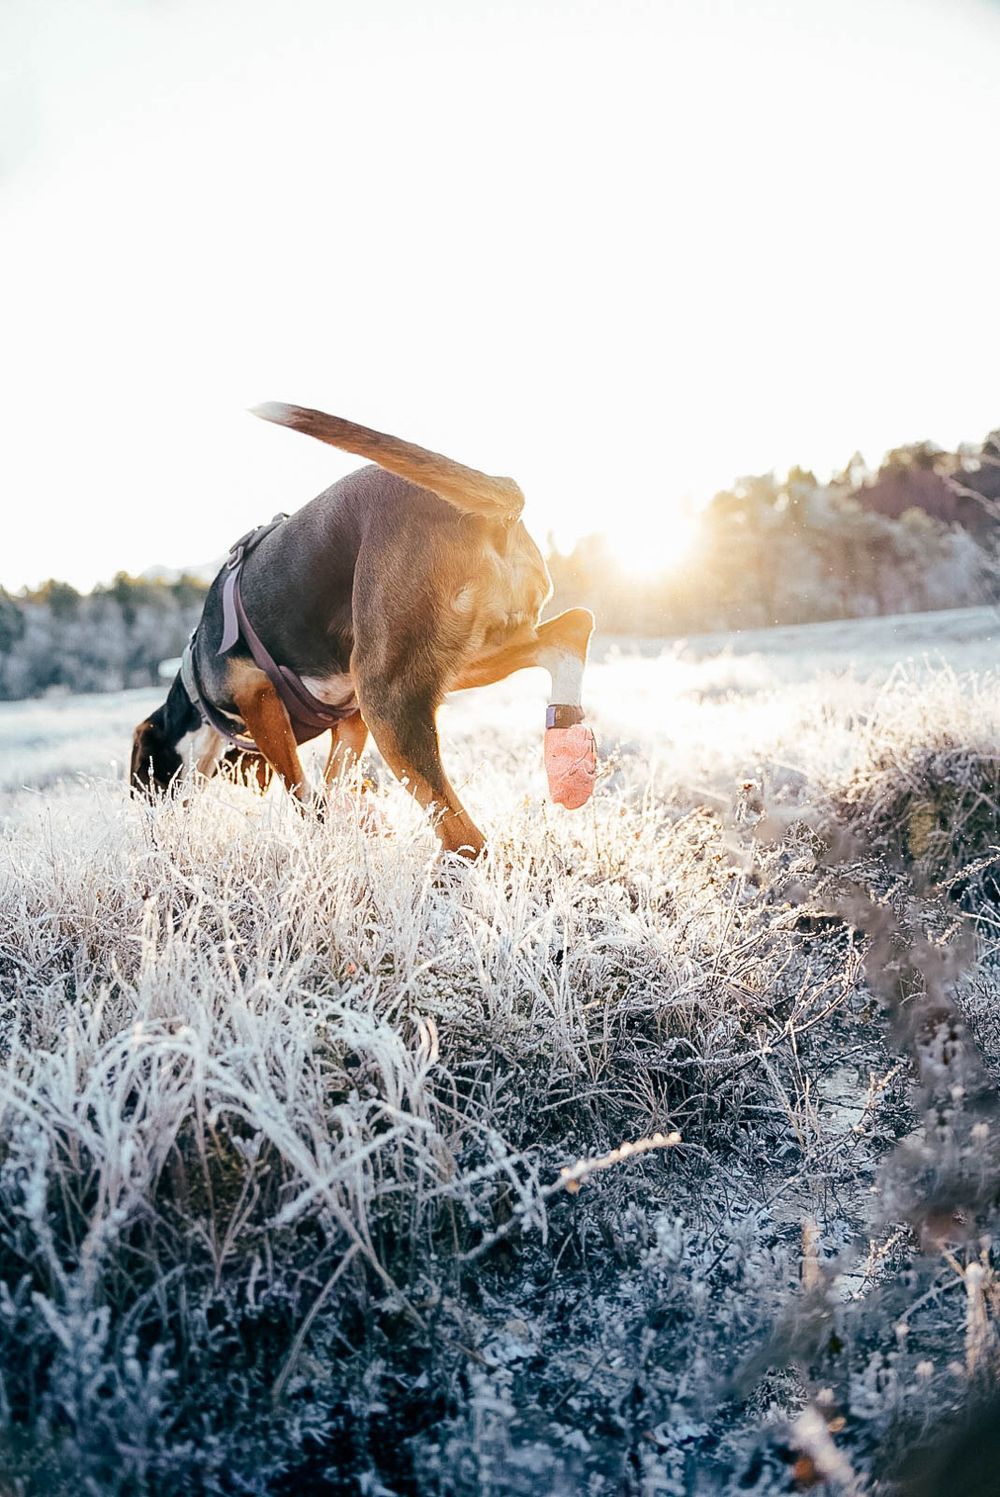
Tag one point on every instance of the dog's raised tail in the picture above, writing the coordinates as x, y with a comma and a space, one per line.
466, 488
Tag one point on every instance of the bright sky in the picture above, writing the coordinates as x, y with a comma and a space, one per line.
623, 250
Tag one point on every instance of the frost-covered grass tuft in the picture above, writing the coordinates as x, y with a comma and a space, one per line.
311, 1175
925, 782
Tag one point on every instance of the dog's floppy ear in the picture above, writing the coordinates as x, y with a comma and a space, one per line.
148, 743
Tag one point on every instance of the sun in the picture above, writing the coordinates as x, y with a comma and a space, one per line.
655, 545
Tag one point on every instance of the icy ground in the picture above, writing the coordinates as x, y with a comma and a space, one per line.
284, 1105
647, 690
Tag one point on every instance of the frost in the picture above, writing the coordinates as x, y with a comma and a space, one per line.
287, 1118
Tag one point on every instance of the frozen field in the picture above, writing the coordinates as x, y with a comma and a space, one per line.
285, 1106
703, 705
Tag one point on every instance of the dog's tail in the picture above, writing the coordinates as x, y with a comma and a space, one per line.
466, 488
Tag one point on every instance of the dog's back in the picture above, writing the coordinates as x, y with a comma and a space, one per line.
299, 583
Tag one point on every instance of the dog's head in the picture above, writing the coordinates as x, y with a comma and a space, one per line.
157, 742
155, 759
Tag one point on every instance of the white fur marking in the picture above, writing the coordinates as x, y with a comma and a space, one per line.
193, 745
335, 691
201, 749
566, 671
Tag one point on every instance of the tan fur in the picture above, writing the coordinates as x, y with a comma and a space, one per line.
347, 744
498, 596
456, 830
267, 722
569, 632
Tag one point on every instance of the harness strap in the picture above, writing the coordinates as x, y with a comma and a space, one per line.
209, 714
302, 706
234, 562
304, 709
559, 715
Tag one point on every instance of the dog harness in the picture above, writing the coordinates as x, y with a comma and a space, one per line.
308, 715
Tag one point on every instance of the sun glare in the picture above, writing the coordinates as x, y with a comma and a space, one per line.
648, 548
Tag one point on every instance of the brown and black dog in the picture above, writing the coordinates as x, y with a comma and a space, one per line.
398, 584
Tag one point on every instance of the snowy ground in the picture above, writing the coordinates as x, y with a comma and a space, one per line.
284, 1106
702, 704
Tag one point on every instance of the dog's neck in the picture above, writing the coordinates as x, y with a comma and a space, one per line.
180, 715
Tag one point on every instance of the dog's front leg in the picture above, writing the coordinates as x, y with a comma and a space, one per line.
249, 765
269, 726
347, 744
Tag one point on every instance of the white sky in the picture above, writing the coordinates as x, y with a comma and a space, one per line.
623, 251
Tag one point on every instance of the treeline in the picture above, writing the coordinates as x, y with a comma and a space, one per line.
921, 532
55, 638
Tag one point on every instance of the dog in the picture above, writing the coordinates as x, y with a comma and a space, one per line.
402, 582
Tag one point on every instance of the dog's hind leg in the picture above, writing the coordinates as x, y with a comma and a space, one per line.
401, 716
559, 645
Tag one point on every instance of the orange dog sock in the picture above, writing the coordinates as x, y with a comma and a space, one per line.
570, 762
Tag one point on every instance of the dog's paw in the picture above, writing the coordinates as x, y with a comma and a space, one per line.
571, 764
364, 809
451, 869
371, 818
311, 802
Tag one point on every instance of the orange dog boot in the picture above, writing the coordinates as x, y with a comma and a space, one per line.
570, 757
